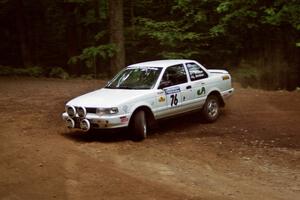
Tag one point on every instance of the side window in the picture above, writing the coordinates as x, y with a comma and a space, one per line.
174, 75
196, 72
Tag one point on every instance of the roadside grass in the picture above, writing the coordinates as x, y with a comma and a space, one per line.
48, 72
262, 78
246, 75
35, 71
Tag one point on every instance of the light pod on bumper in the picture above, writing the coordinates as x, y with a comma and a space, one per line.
71, 111
81, 111
85, 125
70, 123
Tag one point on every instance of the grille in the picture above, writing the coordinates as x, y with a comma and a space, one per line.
88, 110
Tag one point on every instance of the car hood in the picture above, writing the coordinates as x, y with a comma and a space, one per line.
107, 97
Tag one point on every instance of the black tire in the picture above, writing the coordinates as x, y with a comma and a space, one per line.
211, 109
139, 126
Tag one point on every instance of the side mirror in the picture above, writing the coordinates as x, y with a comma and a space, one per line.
164, 84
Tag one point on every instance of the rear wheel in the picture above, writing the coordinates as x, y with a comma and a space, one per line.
211, 108
139, 125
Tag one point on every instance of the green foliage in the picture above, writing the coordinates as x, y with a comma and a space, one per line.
6, 71
36, 71
178, 55
90, 54
217, 30
87, 76
213, 32
58, 72
89, 18
224, 6
172, 36
100, 35
238, 14
168, 33
283, 12
183, 5
247, 75
30, 71
252, 13
33, 71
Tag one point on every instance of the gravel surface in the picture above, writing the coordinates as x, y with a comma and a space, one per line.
251, 152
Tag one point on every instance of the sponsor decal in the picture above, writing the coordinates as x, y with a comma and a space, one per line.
172, 90
161, 99
225, 77
201, 91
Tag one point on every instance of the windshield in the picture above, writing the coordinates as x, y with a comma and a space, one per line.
135, 78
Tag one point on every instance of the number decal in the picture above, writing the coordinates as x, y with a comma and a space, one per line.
173, 96
174, 100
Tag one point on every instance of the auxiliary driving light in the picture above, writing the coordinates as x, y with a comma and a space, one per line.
70, 123
85, 125
81, 111
71, 111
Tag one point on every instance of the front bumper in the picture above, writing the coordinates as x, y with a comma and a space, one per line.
101, 122
227, 94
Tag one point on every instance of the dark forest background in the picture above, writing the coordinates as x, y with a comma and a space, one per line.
257, 40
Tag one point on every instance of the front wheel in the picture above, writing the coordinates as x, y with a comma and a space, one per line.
138, 125
211, 108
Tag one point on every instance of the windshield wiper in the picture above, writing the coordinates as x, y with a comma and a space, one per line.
111, 87
124, 87
142, 88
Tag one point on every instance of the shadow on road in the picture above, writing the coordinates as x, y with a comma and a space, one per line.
105, 136
185, 125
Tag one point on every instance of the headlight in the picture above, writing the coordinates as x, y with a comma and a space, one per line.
81, 111
105, 111
71, 111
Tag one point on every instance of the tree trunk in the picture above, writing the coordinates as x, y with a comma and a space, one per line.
23, 34
116, 31
71, 36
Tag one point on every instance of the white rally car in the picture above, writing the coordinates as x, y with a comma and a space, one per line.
144, 92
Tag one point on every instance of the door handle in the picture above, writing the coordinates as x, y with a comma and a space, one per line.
188, 87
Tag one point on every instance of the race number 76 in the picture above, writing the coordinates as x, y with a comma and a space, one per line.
174, 100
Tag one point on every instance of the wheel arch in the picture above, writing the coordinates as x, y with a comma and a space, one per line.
149, 114
218, 95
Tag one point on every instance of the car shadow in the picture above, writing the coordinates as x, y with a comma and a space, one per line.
186, 124
105, 136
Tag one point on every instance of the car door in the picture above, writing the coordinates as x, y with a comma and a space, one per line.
198, 77
176, 91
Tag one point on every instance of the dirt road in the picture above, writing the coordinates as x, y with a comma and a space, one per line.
251, 152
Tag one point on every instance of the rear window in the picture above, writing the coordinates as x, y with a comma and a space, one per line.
196, 72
